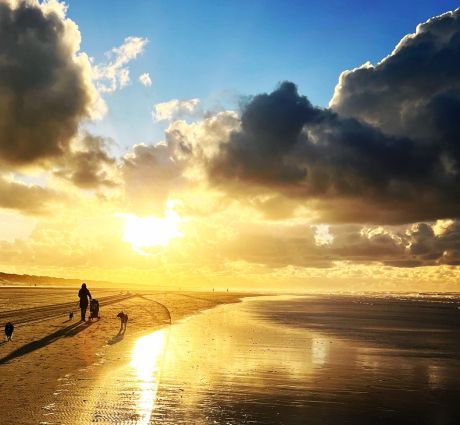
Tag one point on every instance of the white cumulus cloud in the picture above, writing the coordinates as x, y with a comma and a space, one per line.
114, 74
175, 108
145, 79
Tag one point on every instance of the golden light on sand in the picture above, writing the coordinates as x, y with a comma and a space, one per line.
146, 360
150, 231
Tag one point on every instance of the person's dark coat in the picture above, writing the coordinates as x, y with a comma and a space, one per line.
83, 294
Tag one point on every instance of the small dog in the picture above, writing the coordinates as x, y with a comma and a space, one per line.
9, 329
123, 320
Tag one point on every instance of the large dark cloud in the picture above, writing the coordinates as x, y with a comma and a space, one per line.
45, 86
288, 146
262, 150
387, 151
395, 94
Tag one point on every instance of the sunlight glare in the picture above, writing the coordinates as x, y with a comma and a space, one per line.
150, 231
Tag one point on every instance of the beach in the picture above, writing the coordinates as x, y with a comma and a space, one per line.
254, 202
48, 348
283, 359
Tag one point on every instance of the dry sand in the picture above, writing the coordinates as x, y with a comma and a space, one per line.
47, 347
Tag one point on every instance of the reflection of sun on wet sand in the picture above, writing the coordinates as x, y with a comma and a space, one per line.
122, 391
147, 358
52, 356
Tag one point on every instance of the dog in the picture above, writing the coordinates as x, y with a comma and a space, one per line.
71, 315
123, 320
9, 329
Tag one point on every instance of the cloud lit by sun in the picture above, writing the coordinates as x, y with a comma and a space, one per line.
262, 186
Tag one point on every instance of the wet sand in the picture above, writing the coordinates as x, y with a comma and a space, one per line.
48, 349
261, 362
267, 360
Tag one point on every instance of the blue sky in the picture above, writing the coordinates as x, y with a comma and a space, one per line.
222, 49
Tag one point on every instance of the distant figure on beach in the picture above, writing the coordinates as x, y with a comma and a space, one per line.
84, 294
9, 329
70, 315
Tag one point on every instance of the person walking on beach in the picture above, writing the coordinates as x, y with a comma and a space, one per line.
84, 294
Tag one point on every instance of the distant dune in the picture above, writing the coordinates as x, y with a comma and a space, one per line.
26, 279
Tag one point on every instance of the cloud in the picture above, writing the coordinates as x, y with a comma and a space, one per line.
114, 74
385, 152
280, 187
88, 164
367, 244
45, 82
154, 173
428, 248
282, 244
415, 92
175, 109
322, 235
287, 146
145, 79
150, 173
397, 94
419, 244
29, 199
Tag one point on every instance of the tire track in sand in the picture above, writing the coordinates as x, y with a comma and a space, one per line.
30, 315
117, 394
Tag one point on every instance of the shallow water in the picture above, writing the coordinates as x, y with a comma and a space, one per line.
285, 360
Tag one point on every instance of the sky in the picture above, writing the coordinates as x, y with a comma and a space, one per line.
220, 50
305, 146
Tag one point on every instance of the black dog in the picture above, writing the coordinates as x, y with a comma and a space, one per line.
123, 321
9, 329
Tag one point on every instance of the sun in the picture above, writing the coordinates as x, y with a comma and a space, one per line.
150, 231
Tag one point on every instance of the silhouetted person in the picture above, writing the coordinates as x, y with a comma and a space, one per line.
84, 294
